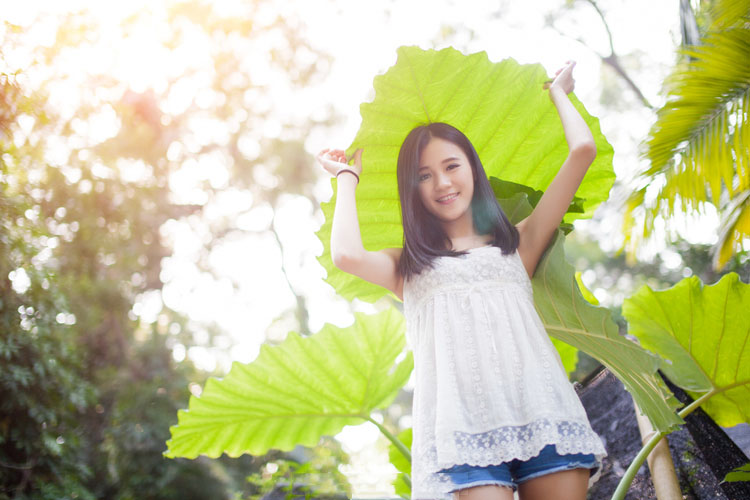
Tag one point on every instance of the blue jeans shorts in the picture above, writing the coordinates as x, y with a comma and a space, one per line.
515, 472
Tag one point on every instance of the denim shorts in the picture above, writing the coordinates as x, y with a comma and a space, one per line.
515, 472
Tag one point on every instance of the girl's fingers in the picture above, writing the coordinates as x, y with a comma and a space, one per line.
333, 157
332, 153
357, 157
329, 158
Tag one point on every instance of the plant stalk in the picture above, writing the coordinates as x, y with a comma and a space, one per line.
393, 439
627, 479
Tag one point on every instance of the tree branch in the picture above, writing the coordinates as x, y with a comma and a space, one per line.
302, 314
612, 60
606, 26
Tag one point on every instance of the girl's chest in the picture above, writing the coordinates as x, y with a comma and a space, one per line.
485, 264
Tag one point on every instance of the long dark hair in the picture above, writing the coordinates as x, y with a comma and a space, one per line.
424, 237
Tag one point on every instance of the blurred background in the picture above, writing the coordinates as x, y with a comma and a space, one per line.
160, 197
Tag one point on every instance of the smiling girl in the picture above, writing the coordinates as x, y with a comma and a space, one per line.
493, 409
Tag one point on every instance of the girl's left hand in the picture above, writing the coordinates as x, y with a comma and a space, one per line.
563, 78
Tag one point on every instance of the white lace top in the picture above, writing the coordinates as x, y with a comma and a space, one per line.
489, 384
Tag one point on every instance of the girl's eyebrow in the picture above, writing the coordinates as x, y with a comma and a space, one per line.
452, 158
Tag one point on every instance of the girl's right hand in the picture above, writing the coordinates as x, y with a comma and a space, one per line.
333, 160
563, 78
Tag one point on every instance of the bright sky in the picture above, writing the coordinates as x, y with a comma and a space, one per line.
362, 39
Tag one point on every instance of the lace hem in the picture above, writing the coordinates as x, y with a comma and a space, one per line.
521, 442
496, 446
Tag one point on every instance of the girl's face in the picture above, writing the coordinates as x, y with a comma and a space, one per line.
445, 181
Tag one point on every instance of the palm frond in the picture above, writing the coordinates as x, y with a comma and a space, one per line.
700, 141
726, 13
707, 105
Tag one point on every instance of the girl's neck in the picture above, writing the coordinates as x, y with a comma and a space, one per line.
464, 236
461, 244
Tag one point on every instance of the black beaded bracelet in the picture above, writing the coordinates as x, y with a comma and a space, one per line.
348, 170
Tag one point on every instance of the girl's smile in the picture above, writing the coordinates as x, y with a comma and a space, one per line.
446, 181
447, 199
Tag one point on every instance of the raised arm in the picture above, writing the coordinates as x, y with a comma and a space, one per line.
347, 251
538, 228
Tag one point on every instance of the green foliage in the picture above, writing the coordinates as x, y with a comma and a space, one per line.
298, 391
701, 333
698, 147
567, 316
318, 477
738, 474
402, 483
507, 190
90, 390
503, 110
43, 391
42, 447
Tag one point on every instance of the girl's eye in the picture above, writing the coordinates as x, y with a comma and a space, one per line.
453, 165
423, 177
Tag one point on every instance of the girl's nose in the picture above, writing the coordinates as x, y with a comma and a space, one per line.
443, 180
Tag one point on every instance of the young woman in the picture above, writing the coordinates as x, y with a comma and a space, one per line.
493, 409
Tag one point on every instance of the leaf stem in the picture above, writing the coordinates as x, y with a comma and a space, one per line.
393, 439
627, 479
695, 404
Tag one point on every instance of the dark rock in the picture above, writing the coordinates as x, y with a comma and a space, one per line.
721, 454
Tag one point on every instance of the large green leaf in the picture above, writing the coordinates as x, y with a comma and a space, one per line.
567, 316
297, 391
503, 110
703, 334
